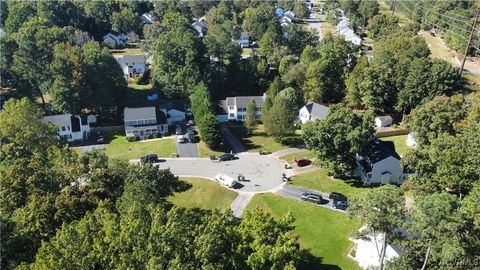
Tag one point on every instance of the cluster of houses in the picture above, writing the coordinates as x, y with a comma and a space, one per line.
344, 28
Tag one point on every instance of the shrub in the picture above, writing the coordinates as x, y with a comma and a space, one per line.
291, 140
132, 138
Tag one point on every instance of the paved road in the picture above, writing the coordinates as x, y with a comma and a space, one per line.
288, 151
262, 173
295, 193
240, 203
232, 140
186, 149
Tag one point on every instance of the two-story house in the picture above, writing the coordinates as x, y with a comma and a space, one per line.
113, 39
380, 165
235, 108
144, 121
71, 127
312, 111
244, 40
132, 65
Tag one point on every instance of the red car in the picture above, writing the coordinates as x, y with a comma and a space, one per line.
301, 162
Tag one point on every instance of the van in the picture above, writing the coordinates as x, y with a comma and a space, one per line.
225, 180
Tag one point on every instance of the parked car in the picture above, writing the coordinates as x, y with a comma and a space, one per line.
334, 196
302, 162
225, 180
226, 156
191, 136
178, 131
181, 139
311, 197
149, 158
343, 205
100, 139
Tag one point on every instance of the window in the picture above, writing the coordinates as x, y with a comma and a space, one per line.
231, 108
232, 115
63, 128
240, 117
239, 109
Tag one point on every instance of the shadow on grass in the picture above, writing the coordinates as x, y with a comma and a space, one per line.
309, 261
246, 140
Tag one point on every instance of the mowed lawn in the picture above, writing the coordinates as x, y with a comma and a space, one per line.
120, 148
320, 181
400, 143
204, 193
323, 232
290, 157
205, 151
258, 140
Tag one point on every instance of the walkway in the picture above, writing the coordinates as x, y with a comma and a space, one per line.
240, 203
232, 140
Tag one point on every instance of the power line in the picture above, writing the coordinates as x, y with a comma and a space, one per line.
468, 44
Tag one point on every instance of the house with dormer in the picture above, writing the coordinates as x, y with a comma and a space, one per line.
144, 121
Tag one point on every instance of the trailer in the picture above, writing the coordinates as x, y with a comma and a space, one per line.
225, 180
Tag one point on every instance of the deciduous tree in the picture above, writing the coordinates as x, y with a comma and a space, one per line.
251, 116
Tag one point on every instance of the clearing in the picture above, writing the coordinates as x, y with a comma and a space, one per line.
258, 140
120, 148
323, 232
204, 193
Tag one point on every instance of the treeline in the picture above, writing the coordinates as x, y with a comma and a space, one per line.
59, 210
452, 20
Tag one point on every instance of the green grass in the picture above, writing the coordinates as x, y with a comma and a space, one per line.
400, 143
323, 232
246, 52
205, 151
258, 140
319, 180
119, 148
204, 194
289, 158
127, 51
140, 86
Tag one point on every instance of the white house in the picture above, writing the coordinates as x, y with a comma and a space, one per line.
312, 111
381, 165
144, 121
235, 108
114, 39
200, 26
132, 65
412, 139
383, 121
147, 18
71, 127
176, 110
287, 18
243, 41
344, 29
367, 250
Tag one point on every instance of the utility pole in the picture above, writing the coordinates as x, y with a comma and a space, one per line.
468, 44
393, 7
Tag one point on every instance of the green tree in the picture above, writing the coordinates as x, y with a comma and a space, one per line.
209, 129
382, 25
251, 116
353, 81
367, 9
60, 13
258, 20
18, 13
300, 10
382, 209
126, 21
338, 138
297, 38
279, 120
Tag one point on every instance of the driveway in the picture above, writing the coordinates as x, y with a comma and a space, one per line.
186, 149
262, 173
232, 140
295, 193
240, 203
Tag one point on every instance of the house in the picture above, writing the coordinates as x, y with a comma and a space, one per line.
146, 18
244, 40
280, 12
412, 139
344, 29
235, 108
312, 111
380, 165
71, 127
383, 121
132, 65
287, 18
144, 121
115, 40
367, 249
177, 110
200, 26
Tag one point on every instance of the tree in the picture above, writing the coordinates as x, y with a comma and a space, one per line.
258, 20
367, 9
126, 21
60, 13
338, 138
300, 10
353, 81
280, 118
251, 116
297, 38
436, 117
209, 129
382, 25
382, 209
18, 13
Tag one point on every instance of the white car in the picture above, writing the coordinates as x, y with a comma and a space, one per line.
181, 139
225, 180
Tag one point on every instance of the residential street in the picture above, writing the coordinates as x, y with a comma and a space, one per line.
295, 193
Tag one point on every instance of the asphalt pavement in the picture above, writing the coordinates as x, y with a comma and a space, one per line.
293, 192
240, 203
232, 140
186, 149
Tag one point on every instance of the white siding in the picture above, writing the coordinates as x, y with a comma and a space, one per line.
389, 165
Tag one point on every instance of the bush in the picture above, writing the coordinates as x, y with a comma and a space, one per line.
150, 136
132, 138
291, 140
157, 135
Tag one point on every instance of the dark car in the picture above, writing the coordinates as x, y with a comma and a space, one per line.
149, 158
311, 197
178, 131
343, 205
226, 157
100, 139
301, 162
334, 196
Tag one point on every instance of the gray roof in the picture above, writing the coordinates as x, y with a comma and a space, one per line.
317, 111
242, 102
139, 113
379, 150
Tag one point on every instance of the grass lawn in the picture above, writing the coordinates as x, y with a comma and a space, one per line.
322, 231
319, 180
204, 193
205, 151
258, 140
289, 158
400, 143
140, 86
127, 51
119, 148
246, 52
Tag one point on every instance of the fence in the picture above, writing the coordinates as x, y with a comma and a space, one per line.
108, 129
388, 133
